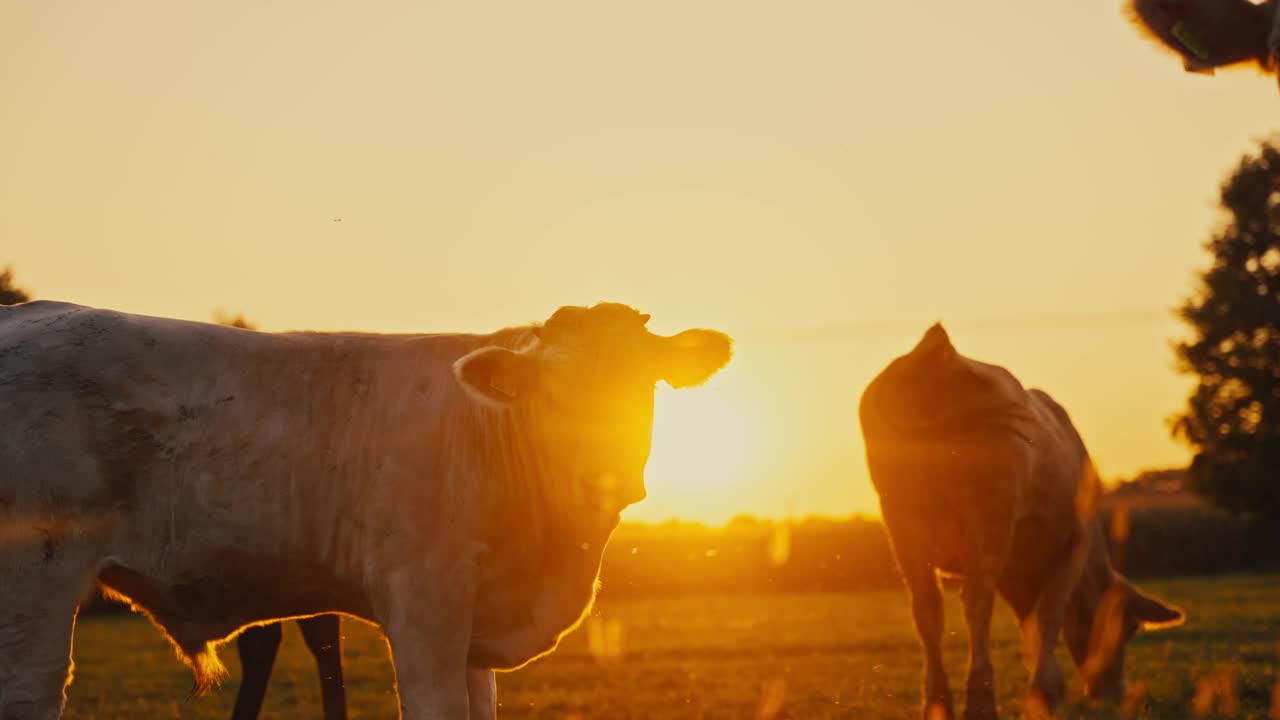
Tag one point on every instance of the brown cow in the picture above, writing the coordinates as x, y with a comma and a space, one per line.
983, 479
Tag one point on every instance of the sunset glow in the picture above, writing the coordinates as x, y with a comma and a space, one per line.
705, 443
820, 181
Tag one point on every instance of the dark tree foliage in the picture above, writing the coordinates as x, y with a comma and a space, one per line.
237, 321
11, 294
1232, 418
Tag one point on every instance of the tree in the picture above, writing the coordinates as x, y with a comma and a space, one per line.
236, 321
11, 294
1232, 418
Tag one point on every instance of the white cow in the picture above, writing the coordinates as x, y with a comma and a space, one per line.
458, 490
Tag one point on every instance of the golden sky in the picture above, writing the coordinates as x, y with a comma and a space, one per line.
820, 179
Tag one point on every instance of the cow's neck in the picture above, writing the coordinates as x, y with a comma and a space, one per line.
541, 510
1096, 578
533, 515
546, 544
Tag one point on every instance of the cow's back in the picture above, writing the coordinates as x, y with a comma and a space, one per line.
1018, 460
1065, 484
47, 456
943, 467
80, 387
1057, 509
222, 470
194, 425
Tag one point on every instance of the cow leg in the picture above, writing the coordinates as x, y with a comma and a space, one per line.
1040, 631
257, 647
910, 541
482, 691
35, 662
426, 611
980, 696
323, 634
991, 519
39, 599
430, 660
926, 610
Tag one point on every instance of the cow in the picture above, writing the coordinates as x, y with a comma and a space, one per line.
1210, 34
257, 647
983, 479
455, 489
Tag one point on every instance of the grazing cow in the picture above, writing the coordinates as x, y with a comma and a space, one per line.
983, 479
257, 646
457, 490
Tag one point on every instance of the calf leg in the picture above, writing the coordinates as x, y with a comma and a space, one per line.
323, 634
257, 646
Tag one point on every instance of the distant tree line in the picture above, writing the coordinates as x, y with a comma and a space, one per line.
10, 293
748, 555
849, 555
831, 555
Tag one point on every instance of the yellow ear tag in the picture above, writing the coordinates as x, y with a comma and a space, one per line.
1190, 41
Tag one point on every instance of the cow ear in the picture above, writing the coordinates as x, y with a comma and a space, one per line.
1152, 613
690, 357
495, 376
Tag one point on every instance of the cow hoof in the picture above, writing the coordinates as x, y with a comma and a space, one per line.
1036, 707
937, 710
983, 711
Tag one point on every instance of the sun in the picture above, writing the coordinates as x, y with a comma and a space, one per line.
705, 442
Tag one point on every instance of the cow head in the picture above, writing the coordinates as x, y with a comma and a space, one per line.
1208, 34
1121, 611
586, 383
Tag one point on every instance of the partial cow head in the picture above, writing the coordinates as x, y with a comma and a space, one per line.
1121, 611
1208, 34
587, 384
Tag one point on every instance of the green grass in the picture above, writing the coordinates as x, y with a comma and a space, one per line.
822, 655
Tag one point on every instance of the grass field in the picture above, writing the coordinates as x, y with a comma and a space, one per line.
727, 656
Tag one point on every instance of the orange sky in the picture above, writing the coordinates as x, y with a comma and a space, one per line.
820, 179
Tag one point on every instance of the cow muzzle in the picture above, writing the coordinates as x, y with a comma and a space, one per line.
611, 492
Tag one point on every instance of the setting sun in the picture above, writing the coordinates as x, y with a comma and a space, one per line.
459, 243
705, 442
